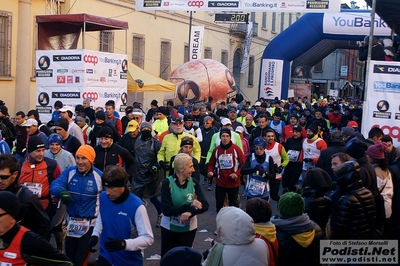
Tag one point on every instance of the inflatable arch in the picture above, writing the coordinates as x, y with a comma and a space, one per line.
303, 35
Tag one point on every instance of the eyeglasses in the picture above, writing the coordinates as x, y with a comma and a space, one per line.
1, 215
5, 177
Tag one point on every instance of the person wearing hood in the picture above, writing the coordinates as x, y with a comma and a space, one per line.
298, 236
225, 163
148, 175
335, 144
356, 151
316, 184
376, 156
259, 170
313, 145
238, 244
261, 212
172, 141
355, 208
294, 147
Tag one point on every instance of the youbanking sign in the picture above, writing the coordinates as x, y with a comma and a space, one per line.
302, 35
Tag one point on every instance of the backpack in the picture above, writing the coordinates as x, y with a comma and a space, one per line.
6, 132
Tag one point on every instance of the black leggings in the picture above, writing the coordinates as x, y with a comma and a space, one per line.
102, 262
220, 193
77, 248
291, 175
171, 239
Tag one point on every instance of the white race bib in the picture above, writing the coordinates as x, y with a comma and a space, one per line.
175, 220
293, 155
36, 188
77, 227
225, 161
256, 187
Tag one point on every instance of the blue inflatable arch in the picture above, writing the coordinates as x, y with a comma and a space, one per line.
308, 31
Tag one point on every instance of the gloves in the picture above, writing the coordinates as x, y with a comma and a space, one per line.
260, 169
152, 170
308, 160
114, 244
51, 209
162, 164
280, 169
92, 243
66, 197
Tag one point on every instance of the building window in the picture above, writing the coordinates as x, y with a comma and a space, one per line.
264, 20
165, 61
107, 41
138, 51
282, 21
207, 53
273, 28
186, 53
224, 57
253, 16
290, 19
5, 44
250, 80
318, 67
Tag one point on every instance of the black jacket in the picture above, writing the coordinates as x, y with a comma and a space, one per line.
260, 132
128, 143
368, 175
115, 155
349, 220
317, 207
324, 161
93, 136
31, 214
395, 219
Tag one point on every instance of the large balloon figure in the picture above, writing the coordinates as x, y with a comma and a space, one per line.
198, 79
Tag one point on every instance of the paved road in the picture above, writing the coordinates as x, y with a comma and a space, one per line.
206, 221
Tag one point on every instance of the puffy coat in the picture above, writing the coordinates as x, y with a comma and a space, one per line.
235, 229
349, 220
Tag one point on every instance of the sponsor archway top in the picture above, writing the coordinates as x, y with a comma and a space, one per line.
61, 32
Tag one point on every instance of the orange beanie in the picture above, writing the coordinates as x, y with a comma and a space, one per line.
88, 152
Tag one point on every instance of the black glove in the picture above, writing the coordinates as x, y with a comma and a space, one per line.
280, 169
151, 170
92, 243
162, 165
308, 160
114, 244
260, 169
51, 209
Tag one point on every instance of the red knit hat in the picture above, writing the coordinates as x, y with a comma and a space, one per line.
377, 151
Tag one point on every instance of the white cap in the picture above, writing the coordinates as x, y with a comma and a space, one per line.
239, 129
67, 108
30, 122
257, 104
225, 121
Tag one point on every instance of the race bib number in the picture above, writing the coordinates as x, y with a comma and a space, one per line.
307, 165
293, 155
77, 227
256, 187
36, 188
225, 161
175, 220
5, 264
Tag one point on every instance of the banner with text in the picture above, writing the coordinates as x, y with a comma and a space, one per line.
247, 44
196, 42
242, 5
271, 78
73, 75
382, 108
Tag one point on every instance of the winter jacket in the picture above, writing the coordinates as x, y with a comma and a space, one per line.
114, 155
298, 239
235, 229
368, 175
64, 158
317, 207
324, 160
395, 219
349, 220
171, 145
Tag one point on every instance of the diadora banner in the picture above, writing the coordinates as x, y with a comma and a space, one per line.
271, 78
239, 5
348, 23
382, 108
74, 75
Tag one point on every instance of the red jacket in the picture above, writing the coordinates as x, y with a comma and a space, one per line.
287, 133
237, 158
335, 119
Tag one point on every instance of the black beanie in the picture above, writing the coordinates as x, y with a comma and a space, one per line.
9, 203
106, 132
225, 130
313, 128
63, 123
35, 142
357, 149
100, 115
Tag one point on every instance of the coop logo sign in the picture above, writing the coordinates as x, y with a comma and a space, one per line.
92, 95
91, 59
196, 4
76, 57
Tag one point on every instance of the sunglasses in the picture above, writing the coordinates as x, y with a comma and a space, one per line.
5, 177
